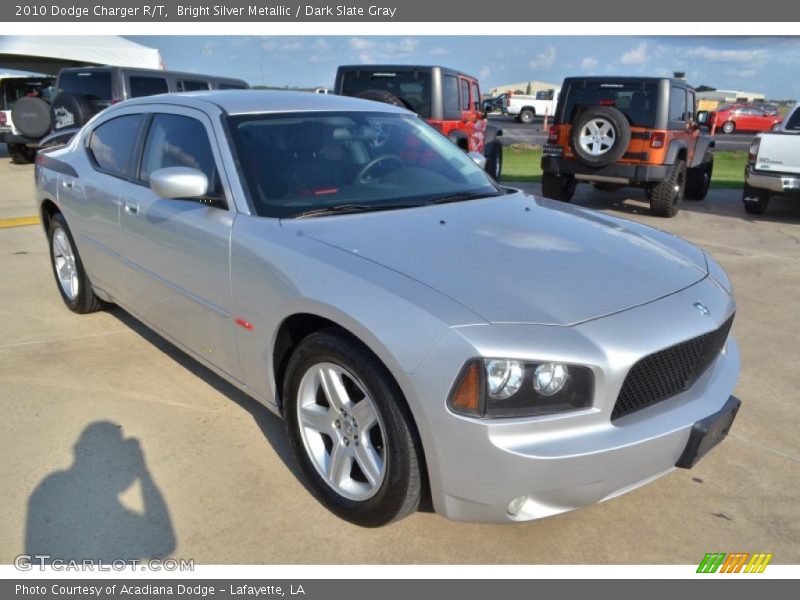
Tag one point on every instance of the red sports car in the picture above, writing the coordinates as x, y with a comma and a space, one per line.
732, 117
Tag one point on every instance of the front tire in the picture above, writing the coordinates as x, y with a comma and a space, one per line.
755, 200
666, 196
558, 187
350, 430
698, 179
729, 127
71, 278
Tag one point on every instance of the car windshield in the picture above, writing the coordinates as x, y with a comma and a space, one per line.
411, 87
94, 85
312, 163
13, 89
635, 100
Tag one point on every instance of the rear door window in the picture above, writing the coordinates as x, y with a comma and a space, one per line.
147, 86
112, 145
450, 103
637, 101
476, 97
677, 107
464, 94
793, 124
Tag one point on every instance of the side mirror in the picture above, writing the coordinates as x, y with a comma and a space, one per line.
179, 183
478, 158
701, 117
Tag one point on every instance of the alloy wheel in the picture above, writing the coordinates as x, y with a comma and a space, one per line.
64, 262
597, 137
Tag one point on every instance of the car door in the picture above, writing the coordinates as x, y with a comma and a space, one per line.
177, 251
91, 201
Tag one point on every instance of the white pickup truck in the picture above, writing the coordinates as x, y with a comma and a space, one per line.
524, 108
773, 165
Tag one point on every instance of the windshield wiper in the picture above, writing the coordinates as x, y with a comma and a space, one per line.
461, 197
343, 209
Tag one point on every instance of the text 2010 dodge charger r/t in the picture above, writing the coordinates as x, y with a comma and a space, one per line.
421, 329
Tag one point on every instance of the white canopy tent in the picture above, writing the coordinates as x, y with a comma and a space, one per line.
49, 54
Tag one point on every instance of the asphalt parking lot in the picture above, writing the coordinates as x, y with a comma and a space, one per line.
215, 481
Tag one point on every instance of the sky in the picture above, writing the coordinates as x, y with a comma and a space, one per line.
769, 65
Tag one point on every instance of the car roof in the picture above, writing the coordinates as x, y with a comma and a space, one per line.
239, 102
626, 79
387, 67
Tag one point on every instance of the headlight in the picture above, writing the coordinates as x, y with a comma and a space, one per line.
717, 273
496, 387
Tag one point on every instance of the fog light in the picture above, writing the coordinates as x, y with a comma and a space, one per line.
516, 505
549, 378
504, 377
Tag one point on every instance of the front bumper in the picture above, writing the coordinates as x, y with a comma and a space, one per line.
570, 460
777, 183
621, 172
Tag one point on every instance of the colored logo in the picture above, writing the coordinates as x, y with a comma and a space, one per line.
737, 562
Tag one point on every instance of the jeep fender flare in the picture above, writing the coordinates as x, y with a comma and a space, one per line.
491, 134
675, 147
460, 139
704, 144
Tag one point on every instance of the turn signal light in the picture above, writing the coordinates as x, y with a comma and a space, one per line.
466, 397
657, 139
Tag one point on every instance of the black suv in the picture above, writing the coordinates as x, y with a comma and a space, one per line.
614, 132
82, 92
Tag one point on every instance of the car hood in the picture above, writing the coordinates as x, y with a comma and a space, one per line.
519, 259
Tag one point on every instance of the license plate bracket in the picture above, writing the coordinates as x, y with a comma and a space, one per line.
707, 433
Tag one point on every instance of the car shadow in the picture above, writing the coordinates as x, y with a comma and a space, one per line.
76, 514
271, 426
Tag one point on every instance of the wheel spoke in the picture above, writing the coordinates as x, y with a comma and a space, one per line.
604, 128
316, 418
607, 140
334, 390
592, 127
339, 463
364, 414
370, 462
59, 242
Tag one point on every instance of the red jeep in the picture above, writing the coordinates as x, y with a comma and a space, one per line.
449, 100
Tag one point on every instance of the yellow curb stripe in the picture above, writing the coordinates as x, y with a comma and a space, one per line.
19, 222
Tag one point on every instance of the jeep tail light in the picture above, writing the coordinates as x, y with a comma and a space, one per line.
555, 130
753, 152
2, 118
607, 102
657, 139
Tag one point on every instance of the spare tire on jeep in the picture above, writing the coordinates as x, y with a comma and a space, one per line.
71, 110
32, 116
382, 96
600, 136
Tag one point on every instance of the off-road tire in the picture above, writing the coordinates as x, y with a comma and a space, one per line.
401, 489
698, 179
621, 130
20, 154
494, 162
755, 200
666, 196
558, 187
32, 116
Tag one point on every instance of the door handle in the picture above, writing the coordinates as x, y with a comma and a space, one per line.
131, 207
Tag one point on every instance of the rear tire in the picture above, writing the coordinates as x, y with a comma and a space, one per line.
71, 278
666, 196
755, 200
728, 127
325, 424
558, 187
20, 154
698, 179
526, 116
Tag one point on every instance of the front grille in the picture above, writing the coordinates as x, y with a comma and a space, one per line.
668, 372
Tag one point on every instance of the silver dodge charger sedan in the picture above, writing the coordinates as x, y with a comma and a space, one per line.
424, 331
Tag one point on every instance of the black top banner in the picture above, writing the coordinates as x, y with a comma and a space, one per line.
711, 12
